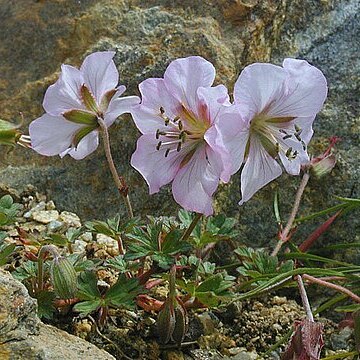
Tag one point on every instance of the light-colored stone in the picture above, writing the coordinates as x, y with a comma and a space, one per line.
45, 216
70, 219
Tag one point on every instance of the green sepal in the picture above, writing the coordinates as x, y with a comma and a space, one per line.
88, 99
81, 117
105, 100
82, 133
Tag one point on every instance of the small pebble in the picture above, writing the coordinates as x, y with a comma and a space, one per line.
45, 216
70, 219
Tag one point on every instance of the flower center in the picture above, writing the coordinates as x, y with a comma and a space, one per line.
273, 136
185, 130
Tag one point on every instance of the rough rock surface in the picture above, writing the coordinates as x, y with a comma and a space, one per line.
37, 36
24, 336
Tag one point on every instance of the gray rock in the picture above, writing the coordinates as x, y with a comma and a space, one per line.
146, 37
24, 336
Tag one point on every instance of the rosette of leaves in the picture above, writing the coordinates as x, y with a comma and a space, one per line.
217, 228
259, 266
209, 292
156, 242
121, 294
112, 227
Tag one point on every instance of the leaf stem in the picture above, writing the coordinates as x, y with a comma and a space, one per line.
336, 287
118, 179
191, 227
284, 236
304, 298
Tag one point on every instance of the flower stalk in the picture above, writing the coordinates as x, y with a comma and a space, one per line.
118, 179
284, 235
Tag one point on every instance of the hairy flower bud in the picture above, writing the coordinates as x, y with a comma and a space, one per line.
324, 166
63, 277
9, 133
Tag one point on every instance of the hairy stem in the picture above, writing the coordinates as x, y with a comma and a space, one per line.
191, 227
304, 298
285, 233
118, 179
329, 285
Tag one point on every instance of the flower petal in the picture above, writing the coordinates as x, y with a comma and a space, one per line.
64, 95
260, 168
307, 90
155, 95
156, 169
118, 106
195, 183
184, 76
100, 73
259, 85
211, 101
86, 146
51, 135
233, 128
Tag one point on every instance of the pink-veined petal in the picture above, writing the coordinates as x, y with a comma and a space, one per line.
222, 160
184, 76
100, 73
147, 115
233, 127
156, 169
259, 85
86, 146
259, 169
51, 135
195, 183
307, 90
64, 95
118, 106
211, 101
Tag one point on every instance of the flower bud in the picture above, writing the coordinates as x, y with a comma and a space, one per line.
181, 323
166, 321
9, 133
323, 166
64, 278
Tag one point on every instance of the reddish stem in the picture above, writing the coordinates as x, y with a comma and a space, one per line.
329, 285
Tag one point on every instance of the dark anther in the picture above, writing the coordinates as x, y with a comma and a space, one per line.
178, 148
287, 136
158, 145
162, 111
167, 152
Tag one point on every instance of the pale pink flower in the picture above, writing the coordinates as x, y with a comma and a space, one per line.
75, 102
271, 121
179, 142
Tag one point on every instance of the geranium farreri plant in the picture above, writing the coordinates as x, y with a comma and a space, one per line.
194, 136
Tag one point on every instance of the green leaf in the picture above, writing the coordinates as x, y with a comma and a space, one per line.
5, 253
81, 117
45, 300
87, 283
123, 292
87, 307
348, 308
26, 270
8, 210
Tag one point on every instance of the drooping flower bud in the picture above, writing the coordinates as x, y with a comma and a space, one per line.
63, 277
172, 321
